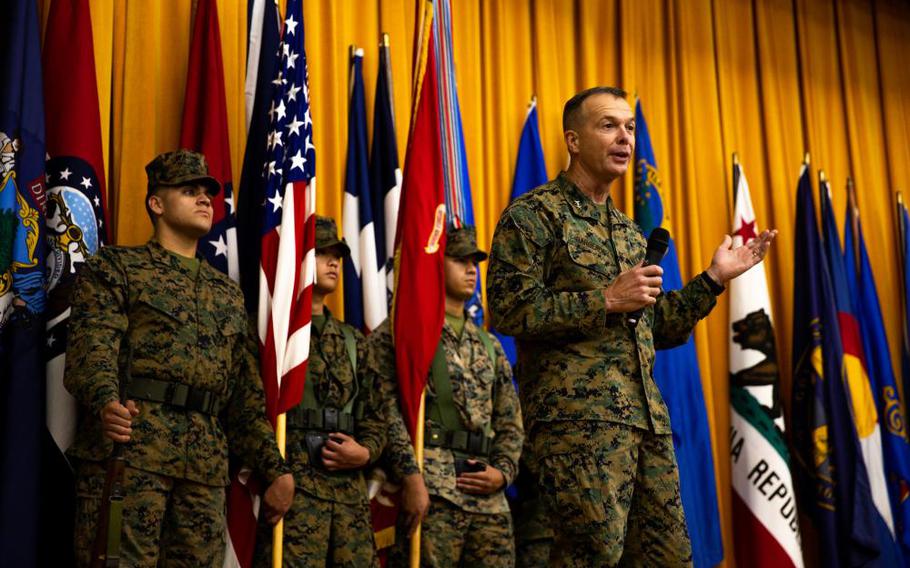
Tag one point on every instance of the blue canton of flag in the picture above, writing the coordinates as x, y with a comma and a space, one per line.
385, 175
895, 444
677, 375
365, 299
288, 265
262, 66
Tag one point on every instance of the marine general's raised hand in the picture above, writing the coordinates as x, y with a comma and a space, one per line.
729, 262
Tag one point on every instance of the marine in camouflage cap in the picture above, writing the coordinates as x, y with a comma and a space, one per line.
178, 168
327, 237
461, 242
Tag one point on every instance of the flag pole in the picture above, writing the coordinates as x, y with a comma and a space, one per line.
278, 531
418, 452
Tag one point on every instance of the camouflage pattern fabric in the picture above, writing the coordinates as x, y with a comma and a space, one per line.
180, 167
462, 243
327, 236
451, 536
320, 533
533, 530
613, 494
482, 391
398, 456
554, 250
329, 368
181, 328
167, 522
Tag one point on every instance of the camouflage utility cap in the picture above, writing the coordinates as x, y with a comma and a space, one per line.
327, 236
180, 167
461, 242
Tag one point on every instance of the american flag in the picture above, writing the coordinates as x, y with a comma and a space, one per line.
288, 262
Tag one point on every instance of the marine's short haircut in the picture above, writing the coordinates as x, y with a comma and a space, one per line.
573, 106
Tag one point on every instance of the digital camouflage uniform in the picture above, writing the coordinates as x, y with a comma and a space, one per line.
460, 529
183, 327
598, 427
329, 522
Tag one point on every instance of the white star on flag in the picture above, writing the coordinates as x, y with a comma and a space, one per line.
220, 246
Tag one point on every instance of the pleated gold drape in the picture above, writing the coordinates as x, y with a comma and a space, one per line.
769, 79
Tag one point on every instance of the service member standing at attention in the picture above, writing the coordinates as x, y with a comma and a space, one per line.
177, 328
565, 270
473, 433
333, 433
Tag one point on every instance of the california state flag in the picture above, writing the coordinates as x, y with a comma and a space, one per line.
765, 521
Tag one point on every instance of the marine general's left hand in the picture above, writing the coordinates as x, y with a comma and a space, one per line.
729, 262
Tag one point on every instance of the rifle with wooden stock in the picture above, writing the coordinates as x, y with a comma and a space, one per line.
106, 551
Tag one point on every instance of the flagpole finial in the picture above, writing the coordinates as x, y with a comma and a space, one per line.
900, 198
822, 177
735, 159
806, 158
384, 40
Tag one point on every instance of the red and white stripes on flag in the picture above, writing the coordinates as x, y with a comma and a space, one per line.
288, 261
287, 267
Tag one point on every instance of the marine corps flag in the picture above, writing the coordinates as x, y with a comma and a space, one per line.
765, 521
419, 302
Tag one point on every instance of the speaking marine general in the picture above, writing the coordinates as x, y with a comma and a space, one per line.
566, 271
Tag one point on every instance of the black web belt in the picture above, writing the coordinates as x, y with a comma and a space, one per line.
321, 419
175, 394
471, 443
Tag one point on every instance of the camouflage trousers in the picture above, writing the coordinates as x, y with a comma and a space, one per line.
451, 537
533, 534
612, 492
318, 532
167, 522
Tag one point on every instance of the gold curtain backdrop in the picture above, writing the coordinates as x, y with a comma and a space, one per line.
769, 79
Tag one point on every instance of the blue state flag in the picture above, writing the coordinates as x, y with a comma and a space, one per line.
677, 375
834, 490
530, 172
857, 389
22, 286
896, 447
365, 300
903, 218
385, 174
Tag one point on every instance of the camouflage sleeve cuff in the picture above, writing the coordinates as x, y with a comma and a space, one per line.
102, 396
274, 469
506, 467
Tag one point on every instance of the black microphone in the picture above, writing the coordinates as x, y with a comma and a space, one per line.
658, 243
